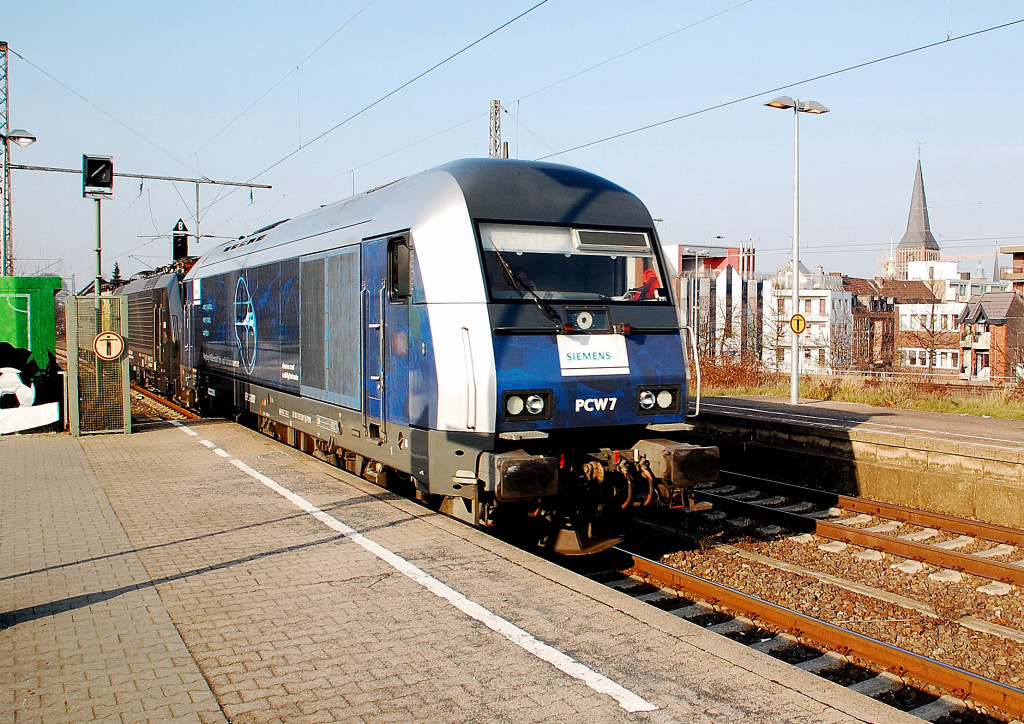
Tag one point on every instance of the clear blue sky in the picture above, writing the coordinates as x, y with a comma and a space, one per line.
159, 87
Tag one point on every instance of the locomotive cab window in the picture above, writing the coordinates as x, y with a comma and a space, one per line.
567, 264
400, 269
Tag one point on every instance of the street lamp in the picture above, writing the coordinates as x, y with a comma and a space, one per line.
798, 106
22, 138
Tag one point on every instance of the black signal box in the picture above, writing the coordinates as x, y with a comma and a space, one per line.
97, 177
179, 241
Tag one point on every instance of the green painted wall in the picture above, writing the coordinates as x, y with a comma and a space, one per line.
26, 315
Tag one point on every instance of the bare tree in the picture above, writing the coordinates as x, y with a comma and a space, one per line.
840, 353
927, 328
774, 326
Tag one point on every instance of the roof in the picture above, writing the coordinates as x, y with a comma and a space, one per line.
902, 291
532, 191
992, 307
919, 232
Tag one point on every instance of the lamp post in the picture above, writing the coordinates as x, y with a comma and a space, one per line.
798, 106
22, 138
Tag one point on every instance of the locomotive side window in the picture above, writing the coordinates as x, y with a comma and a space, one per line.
565, 264
400, 269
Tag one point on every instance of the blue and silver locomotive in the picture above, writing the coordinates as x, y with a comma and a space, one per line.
496, 334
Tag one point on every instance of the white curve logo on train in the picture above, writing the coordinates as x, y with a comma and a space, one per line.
245, 325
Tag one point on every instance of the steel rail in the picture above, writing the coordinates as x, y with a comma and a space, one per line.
892, 511
964, 562
957, 681
143, 391
165, 402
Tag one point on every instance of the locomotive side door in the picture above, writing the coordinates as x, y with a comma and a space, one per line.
373, 300
385, 293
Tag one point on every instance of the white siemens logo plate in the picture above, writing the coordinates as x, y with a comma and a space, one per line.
592, 354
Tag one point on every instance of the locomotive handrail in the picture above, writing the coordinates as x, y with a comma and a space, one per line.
467, 349
381, 384
696, 367
364, 292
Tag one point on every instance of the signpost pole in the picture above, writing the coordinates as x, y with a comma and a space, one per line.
99, 256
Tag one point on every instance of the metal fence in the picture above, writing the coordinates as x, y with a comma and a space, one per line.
98, 394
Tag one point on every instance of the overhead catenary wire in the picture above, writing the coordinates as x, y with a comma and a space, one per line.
401, 87
380, 100
285, 77
634, 49
206, 209
776, 89
102, 110
554, 84
659, 123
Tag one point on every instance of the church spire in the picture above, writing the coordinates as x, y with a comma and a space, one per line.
919, 232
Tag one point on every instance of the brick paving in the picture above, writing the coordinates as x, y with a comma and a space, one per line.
147, 578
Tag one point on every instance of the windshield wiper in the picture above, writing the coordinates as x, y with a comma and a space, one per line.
517, 284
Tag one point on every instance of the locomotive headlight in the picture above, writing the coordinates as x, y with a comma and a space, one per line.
526, 405
659, 399
514, 405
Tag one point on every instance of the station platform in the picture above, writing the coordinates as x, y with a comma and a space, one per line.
961, 465
198, 571
983, 433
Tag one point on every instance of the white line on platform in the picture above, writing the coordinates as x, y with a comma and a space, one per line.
525, 640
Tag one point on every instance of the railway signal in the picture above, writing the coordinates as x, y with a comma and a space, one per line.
179, 241
97, 177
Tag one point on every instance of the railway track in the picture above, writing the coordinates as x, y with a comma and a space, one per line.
923, 686
146, 404
953, 544
946, 616
162, 407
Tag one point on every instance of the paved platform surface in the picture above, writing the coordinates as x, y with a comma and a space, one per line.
205, 573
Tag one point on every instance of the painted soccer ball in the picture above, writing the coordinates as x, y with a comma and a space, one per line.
11, 384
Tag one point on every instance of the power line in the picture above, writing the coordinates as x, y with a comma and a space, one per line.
102, 110
633, 50
779, 88
284, 78
399, 88
556, 83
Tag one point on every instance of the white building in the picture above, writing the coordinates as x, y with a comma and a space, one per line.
948, 283
929, 335
826, 345
723, 308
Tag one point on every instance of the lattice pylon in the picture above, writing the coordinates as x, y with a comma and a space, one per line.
495, 149
8, 258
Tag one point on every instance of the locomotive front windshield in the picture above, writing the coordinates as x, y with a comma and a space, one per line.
565, 264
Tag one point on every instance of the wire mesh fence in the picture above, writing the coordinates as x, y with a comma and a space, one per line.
98, 397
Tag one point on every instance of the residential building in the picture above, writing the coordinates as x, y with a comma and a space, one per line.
826, 343
992, 337
928, 336
948, 283
1015, 274
875, 305
723, 308
710, 260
